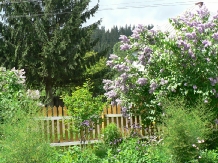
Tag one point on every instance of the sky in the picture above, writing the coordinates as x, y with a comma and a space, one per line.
134, 12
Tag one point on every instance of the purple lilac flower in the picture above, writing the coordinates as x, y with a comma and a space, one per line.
135, 36
85, 123
195, 87
189, 35
125, 46
121, 67
147, 50
124, 76
124, 39
213, 81
107, 84
215, 36
124, 88
118, 101
215, 16
113, 56
200, 30
206, 43
203, 12
163, 82
141, 81
110, 63
124, 111
153, 87
111, 94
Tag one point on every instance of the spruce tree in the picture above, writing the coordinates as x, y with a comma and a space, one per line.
47, 39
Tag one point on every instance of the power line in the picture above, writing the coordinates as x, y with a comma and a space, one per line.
104, 9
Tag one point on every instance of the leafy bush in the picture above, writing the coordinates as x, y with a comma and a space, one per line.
83, 106
112, 135
187, 128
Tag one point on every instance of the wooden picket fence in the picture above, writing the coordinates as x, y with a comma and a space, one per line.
57, 126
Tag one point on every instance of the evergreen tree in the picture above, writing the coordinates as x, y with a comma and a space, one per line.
46, 38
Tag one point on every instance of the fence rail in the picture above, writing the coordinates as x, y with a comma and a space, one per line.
57, 126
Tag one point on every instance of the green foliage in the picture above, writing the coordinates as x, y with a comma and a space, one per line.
112, 135
187, 128
83, 106
208, 156
76, 154
101, 149
132, 150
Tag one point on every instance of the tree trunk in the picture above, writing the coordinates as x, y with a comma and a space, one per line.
49, 93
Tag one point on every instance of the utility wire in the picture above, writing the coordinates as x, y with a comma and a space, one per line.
104, 9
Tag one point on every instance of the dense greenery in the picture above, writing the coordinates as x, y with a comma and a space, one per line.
21, 138
46, 38
183, 139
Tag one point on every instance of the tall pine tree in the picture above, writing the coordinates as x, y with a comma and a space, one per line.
47, 39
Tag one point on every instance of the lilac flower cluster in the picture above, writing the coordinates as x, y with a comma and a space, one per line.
116, 142
153, 87
206, 43
215, 36
145, 56
142, 81
125, 46
20, 75
87, 124
33, 94
137, 31
163, 81
124, 39
213, 81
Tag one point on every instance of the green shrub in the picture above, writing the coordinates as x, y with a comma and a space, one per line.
76, 154
100, 150
187, 129
208, 156
112, 135
83, 106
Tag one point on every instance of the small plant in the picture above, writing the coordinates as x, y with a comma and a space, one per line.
101, 150
112, 135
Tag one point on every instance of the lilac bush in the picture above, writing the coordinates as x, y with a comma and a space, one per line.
161, 64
